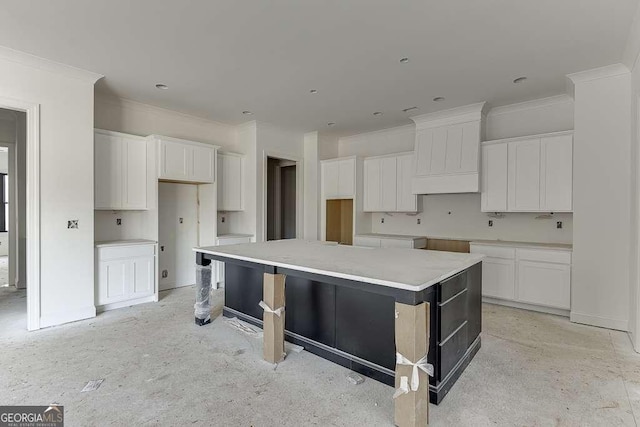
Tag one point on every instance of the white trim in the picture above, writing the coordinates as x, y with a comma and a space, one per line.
467, 113
598, 73
525, 137
131, 302
524, 306
182, 141
120, 134
59, 318
602, 322
393, 130
404, 153
337, 159
33, 206
530, 105
48, 65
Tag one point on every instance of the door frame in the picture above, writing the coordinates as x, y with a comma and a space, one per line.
299, 190
32, 111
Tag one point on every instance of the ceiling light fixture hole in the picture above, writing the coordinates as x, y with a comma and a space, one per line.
520, 80
438, 99
162, 86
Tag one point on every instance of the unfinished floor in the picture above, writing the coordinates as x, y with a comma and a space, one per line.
159, 368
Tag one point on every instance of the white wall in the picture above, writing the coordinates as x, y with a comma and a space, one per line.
634, 253
311, 186
66, 180
601, 198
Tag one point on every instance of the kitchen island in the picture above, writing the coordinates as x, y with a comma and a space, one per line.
342, 302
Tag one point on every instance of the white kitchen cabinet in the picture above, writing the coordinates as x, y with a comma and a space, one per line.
389, 241
498, 278
369, 242
524, 175
126, 273
545, 284
494, 178
387, 184
218, 266
121, 172
339, 178
556, 173
230, 182
186, 161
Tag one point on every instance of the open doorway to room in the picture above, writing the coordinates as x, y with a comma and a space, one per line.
282, 178
13, 272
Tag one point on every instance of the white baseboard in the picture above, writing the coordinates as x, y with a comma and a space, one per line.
602, 322
54, 319
524, 306
127, 303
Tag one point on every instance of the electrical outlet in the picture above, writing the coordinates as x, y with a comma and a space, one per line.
418, 221
118, 221
222, 220
72, 223
165, 274
490, 223
181, 220
381, 220
559, 224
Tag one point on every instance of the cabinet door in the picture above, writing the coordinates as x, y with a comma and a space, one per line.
372, 180
175, 159
544, 284
524, 175
405, 200
556, 173
229, 183
498, 278
203, 164
143, 277
370, 242
396, 243
388, 184
108, 171
134, 167
330, 178
424, 144
113, 278
494, 178
346, 178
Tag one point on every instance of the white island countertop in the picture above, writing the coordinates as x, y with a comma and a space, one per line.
408, 269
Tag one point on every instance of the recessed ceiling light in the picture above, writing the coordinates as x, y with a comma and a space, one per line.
520, 80
247, 113
404, 60
377, 113
314, 91
438, 99
331, 124
162, 86
406, 110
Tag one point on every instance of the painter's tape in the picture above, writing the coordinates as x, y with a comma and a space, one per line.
268, 309
420, 364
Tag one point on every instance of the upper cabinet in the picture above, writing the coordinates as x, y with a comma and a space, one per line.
528, 174
230, 170
447, 151
339, 178
187, 161
121, 171
387, 184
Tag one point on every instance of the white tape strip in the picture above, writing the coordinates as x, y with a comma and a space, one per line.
404, 387
268, 309
420, 364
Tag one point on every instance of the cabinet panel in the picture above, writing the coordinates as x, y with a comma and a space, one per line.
406, 201
469, 151
108, 171
134, 161
556, 173
370, 242
330, 172
372, 179
498, 278
112, 281
388, 184
524, 175
203, 164
143, 276
438, 151
453, 155
424, 144
494, 178
174, 160
544, 284
396, 243
229, 183
346, 178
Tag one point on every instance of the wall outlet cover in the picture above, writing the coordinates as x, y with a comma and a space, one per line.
418, 221
72, 223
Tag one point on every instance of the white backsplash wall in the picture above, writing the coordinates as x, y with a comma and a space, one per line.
106, 227
459, 216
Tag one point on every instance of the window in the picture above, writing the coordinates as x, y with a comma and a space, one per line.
4, 198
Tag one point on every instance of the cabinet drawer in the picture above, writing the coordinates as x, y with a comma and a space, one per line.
453, 286
494, 251
396, 243
452, 349
558, 257
453, 313
117, 252
371, 242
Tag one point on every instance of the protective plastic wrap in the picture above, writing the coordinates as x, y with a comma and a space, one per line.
203, 291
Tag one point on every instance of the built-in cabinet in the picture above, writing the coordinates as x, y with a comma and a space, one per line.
120, 165
537, 277
389, 241
230, 182
387, 184
529, 174
447, 151
126, 273
338, 178
185, 161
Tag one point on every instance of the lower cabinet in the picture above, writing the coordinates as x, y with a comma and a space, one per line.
533, 276
388, 241
125, 274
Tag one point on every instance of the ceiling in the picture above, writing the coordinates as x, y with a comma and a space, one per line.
220, 58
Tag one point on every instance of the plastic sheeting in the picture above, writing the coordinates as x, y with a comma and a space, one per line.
202, 307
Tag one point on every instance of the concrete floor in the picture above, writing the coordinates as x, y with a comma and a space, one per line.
159, 368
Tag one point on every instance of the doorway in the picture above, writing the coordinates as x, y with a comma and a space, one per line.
281, 186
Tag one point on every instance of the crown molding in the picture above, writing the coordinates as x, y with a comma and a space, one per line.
467, 113
390, 131
33, 61
598, 73
530, 105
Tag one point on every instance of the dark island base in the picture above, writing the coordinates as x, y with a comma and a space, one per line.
353, 323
